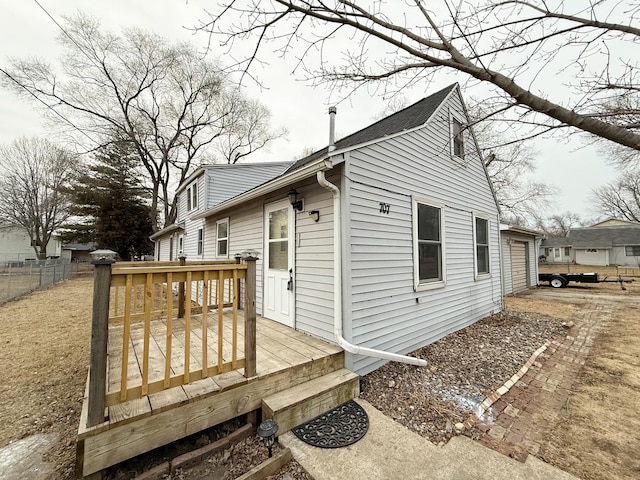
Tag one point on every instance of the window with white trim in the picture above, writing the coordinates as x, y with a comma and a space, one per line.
200, 241
632, 250
192, 196
222, 238
428, 245
457, 138
171, 248
481, 234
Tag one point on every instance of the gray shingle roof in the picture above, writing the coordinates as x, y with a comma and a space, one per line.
597, 237
604, 237
410, 117
556, 242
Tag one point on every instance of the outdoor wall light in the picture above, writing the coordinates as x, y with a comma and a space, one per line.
267, 432
293, 200
315, 215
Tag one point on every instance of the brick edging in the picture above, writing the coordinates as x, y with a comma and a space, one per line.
493, 398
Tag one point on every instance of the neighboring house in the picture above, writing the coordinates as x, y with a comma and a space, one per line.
606, 245
78, 252
15, 245
612, 242
557, 250
519, 258
392, 242
615, 222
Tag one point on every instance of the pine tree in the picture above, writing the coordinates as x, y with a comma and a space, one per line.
111, 205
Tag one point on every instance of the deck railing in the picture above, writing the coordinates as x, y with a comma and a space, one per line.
142, 296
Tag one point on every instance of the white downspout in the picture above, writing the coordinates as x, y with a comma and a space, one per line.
337, 288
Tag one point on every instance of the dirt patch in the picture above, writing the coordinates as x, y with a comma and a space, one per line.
45, 338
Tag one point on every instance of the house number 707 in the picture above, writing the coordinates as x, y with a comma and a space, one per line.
384, 208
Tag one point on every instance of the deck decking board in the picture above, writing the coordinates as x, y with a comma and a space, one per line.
284, 358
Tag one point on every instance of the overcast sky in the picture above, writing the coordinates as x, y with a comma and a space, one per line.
25, 30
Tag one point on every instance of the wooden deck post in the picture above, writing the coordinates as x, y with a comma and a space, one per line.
99, 334
250, 318
183, 262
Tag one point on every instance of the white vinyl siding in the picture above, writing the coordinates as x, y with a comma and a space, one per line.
382, 309
245, 234
314, 263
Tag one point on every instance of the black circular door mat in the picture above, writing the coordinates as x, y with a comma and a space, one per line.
339, 427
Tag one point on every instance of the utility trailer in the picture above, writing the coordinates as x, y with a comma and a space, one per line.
560, 280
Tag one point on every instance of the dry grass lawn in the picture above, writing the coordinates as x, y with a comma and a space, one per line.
45, 338
597, 434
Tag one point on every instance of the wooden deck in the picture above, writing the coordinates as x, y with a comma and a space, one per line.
285, 358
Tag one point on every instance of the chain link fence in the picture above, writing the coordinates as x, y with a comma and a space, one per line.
20, 277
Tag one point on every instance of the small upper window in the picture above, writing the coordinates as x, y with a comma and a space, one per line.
222, 236
457, 138
192, 197
482, 245
632, 250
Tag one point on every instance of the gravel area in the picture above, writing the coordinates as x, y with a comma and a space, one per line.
463, 369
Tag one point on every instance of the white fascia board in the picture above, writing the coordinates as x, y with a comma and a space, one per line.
275, 184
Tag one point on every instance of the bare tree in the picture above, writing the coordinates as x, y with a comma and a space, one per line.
163, 98
509, 164
559, 224
509, 45
32, 172
620, 199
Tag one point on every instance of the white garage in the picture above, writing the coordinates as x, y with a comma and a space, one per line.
519, 249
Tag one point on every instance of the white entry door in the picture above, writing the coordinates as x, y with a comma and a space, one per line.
278, 261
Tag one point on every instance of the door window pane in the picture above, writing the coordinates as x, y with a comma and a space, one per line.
279, 224
279, 255
279, 239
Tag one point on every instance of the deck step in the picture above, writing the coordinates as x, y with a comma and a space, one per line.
303, 402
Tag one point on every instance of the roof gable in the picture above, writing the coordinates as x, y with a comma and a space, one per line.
228, 181
408, 118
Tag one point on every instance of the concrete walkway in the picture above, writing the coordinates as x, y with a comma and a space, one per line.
390, 451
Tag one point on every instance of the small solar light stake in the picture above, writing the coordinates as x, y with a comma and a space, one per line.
267, 432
